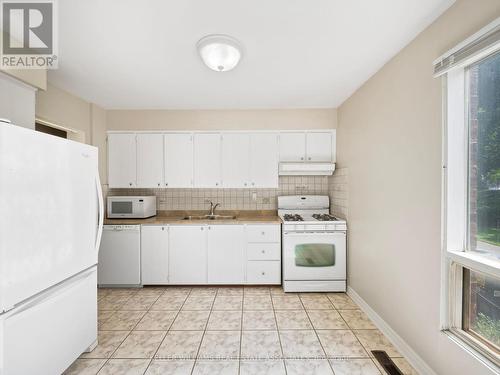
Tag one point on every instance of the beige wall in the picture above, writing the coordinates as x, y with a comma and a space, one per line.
98, 139
86, 121
222, 119
33, 77
90, 122
389, 137
64, 109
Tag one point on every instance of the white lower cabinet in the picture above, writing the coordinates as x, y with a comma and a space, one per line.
264, 251
226, 245
211, 254
263, 272
187, 254
154, 254
264, 254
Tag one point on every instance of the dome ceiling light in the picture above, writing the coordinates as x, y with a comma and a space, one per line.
219, 52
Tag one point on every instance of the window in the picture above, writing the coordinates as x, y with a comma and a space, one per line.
484, 156
471, 194
481, 308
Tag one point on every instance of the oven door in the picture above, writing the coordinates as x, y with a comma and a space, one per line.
314, 255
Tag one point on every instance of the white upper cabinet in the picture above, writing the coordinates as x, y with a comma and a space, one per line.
122, 153
319, 146
264, 160
154, 254
292, 146
149, 160
235, 160
178, 160
226, 244
212, 159
308, 146
207, 160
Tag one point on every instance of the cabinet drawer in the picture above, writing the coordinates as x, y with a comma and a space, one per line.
263, 233
264, 251
263, 272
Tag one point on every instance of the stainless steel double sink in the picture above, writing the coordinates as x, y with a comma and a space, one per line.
210, 217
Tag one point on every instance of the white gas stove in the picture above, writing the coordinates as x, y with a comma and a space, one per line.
314, 245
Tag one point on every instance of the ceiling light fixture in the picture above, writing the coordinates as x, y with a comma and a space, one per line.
219, 52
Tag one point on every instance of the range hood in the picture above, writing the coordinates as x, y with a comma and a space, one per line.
306, 169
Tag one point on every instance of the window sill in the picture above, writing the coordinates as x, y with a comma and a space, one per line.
461, 339
476, 261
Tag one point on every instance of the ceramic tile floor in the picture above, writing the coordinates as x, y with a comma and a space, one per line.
232, 330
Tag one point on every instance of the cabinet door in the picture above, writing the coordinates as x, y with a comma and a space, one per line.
319, 146
179, 160
187, 254
226, 245
122, 160
264, 160
235, 160
292, 146
149, 160
154, 254
207, 160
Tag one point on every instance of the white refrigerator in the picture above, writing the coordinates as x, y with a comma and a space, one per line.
51, 216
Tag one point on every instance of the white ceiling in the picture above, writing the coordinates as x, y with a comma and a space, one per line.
138, 54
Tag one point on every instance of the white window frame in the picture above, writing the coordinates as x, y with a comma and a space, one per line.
455, 255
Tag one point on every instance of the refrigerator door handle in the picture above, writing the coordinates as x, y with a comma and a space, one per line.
46, 295
101, 212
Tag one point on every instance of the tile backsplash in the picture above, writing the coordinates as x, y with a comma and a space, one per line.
232, 199
250, 199
338, 192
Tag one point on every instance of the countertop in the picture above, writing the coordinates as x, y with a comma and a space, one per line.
176, 217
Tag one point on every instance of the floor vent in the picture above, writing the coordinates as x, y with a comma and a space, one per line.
386, 362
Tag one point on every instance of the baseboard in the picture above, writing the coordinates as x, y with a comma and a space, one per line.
411, 356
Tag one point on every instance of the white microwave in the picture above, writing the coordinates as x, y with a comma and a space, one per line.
136, 207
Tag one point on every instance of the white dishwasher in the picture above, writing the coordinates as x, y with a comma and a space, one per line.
120, 255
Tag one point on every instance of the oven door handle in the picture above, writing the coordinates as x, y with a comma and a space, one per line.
322, 233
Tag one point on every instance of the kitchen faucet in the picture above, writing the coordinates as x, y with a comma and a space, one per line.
212, 208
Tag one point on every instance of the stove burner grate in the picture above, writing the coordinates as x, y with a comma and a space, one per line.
290, 217
324, 217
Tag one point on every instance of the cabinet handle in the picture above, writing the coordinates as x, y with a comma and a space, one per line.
130, 184
158, 184
263, 233
201, 228
216, 184
162, 228
263, 273
253, 183
245, 184
309, 158
209, 228
302, 158
166, 183
263, 251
